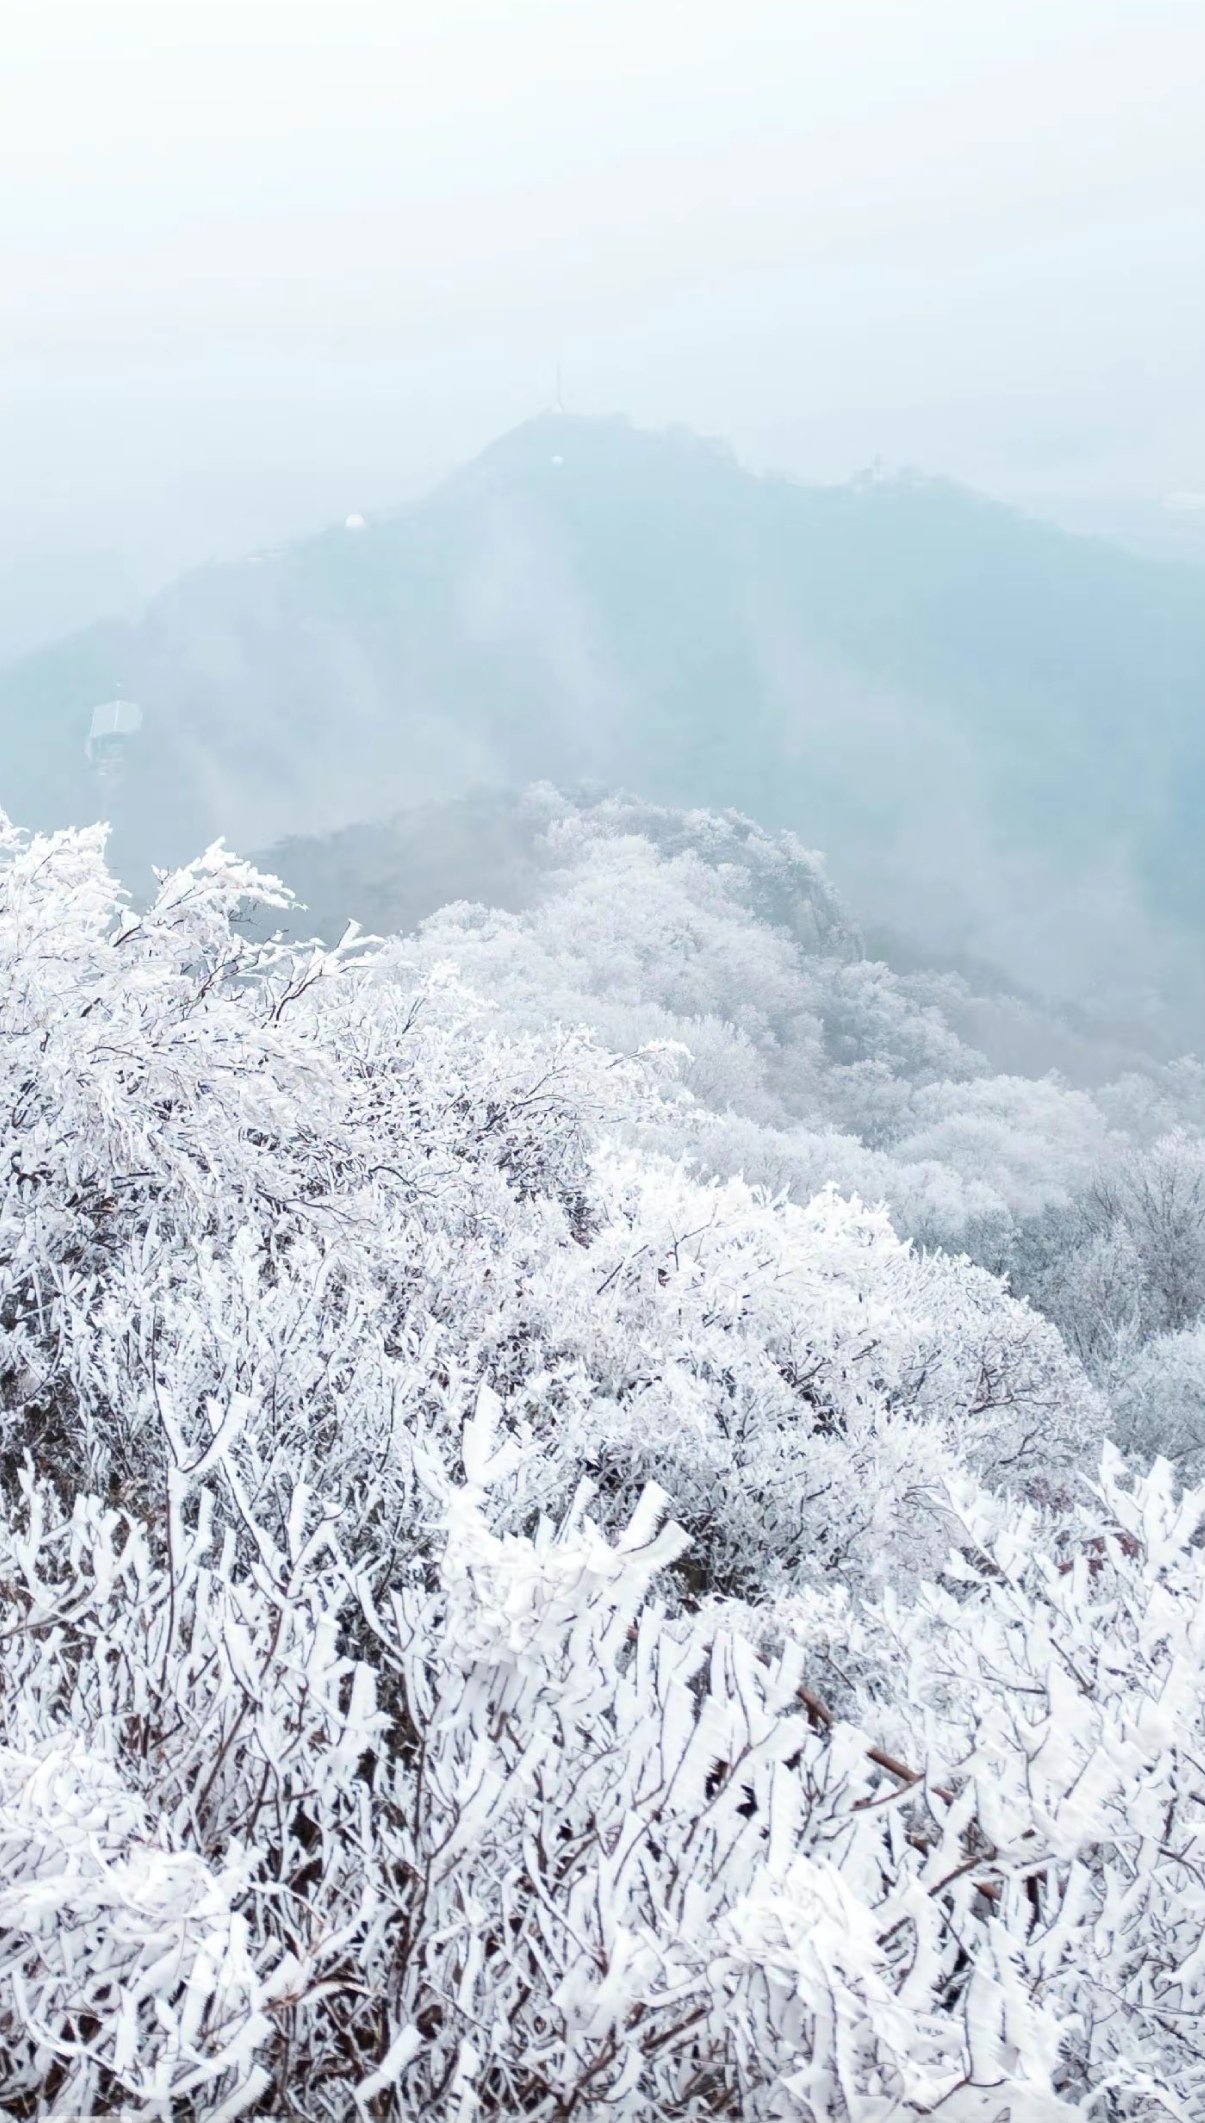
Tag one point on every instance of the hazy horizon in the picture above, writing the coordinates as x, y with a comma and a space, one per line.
270, 268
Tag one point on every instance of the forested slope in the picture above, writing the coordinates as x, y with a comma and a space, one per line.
510, 1605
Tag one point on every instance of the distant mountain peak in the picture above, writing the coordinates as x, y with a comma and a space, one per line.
971, 712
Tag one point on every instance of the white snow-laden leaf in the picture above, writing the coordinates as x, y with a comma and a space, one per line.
485, 1461
401, 2050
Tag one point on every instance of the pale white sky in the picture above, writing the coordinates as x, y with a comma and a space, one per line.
265, 262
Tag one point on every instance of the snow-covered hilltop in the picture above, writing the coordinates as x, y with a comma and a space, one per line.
518, 1597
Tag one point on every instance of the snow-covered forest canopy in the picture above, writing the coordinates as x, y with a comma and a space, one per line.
598, 1510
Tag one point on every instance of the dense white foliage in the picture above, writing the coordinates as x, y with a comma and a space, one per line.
651, 925
811, 1065
497, 1623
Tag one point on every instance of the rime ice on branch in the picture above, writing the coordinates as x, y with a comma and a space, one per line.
495, 1623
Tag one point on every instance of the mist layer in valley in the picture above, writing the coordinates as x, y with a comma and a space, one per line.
991, 727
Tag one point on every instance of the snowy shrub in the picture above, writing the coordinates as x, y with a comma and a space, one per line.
511, 1839
126, 1971
495, 1624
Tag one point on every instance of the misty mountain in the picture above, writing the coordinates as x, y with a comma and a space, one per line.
500, 854
992, 727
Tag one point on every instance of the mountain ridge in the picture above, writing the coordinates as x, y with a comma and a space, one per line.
964, 706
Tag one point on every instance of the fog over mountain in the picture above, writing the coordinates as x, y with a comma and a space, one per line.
993, 728
602, 1061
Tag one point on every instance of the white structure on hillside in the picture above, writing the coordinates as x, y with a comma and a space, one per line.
113, 725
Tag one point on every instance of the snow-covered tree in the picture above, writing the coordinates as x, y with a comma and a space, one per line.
495, 1622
